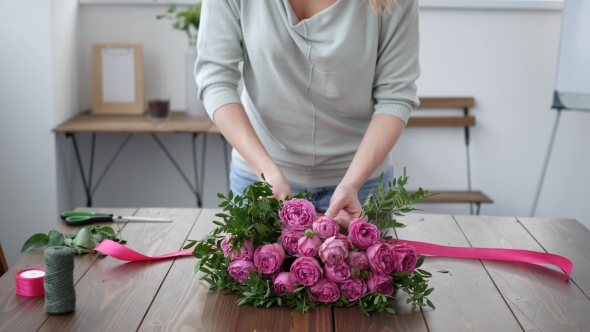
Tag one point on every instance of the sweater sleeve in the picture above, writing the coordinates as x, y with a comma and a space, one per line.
397, 67
219, 51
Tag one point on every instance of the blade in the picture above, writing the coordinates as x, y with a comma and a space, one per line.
139, 219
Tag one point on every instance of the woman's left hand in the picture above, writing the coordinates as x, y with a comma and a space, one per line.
344, 205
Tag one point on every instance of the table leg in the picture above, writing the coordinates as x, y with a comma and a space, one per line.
180, 171
226, 159
466, 112
88, 189
106, 169
199, 192
81, 167
203, 154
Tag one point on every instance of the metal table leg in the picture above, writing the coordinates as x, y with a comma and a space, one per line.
88, 189
226, 159
466, 112
194, 189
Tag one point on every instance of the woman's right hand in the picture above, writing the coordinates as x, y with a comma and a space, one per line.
280, 185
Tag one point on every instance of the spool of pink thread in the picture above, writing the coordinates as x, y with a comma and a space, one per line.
30, 282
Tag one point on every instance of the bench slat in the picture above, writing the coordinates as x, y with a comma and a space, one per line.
447, 102
457, 197
443, 121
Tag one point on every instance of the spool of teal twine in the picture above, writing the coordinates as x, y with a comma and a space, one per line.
60, 295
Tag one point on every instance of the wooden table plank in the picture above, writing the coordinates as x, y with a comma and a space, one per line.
115, 295
184, 303
179, 123
21, 313
465, 297
574, 244
284, 319
537, 295
353, 319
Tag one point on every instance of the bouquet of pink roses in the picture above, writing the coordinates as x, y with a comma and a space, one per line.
282, 253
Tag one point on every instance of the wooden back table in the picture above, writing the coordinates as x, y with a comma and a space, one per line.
473, 296
179, 123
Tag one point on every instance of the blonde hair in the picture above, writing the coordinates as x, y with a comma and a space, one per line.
383, 5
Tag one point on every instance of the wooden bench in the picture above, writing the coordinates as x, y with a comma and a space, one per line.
466, 121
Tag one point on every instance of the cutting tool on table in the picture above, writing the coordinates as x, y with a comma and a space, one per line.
77, 218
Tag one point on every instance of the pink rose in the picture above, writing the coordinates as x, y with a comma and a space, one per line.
299, 214
325, 290
269, 258
333, 251
382, 259
380, 283
406, 258
290, 241
282, 283
246, 251
325, 227
344, 239
337, 273
358, 259
353, 289
306, 270
225, 246
240, 270
363, 234
309, 247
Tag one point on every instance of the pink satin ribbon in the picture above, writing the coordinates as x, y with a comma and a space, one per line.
509, 255
123, 253
31, 286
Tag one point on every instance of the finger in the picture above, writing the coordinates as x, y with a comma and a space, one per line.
334, 209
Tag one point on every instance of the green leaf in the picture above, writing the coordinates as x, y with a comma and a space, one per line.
55, 239
430, 304
36, 241
190, 245
84, 239
109, 230
390, 310
420, 261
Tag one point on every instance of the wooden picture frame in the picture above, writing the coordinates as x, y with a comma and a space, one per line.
117, 79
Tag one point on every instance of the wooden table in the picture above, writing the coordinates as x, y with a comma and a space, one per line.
179, 123
473, 296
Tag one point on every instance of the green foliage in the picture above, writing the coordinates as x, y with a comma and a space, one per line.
81, 243
187, 20
383, 206
254, 215
415, 285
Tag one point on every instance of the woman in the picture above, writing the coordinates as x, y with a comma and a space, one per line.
329, 86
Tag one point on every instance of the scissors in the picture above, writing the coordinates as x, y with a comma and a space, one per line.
77, 218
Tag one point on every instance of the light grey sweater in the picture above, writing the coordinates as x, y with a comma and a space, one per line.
311, 86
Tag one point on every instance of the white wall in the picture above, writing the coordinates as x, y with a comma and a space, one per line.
65, 27
28, 202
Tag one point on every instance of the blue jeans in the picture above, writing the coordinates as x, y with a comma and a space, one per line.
240, 179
